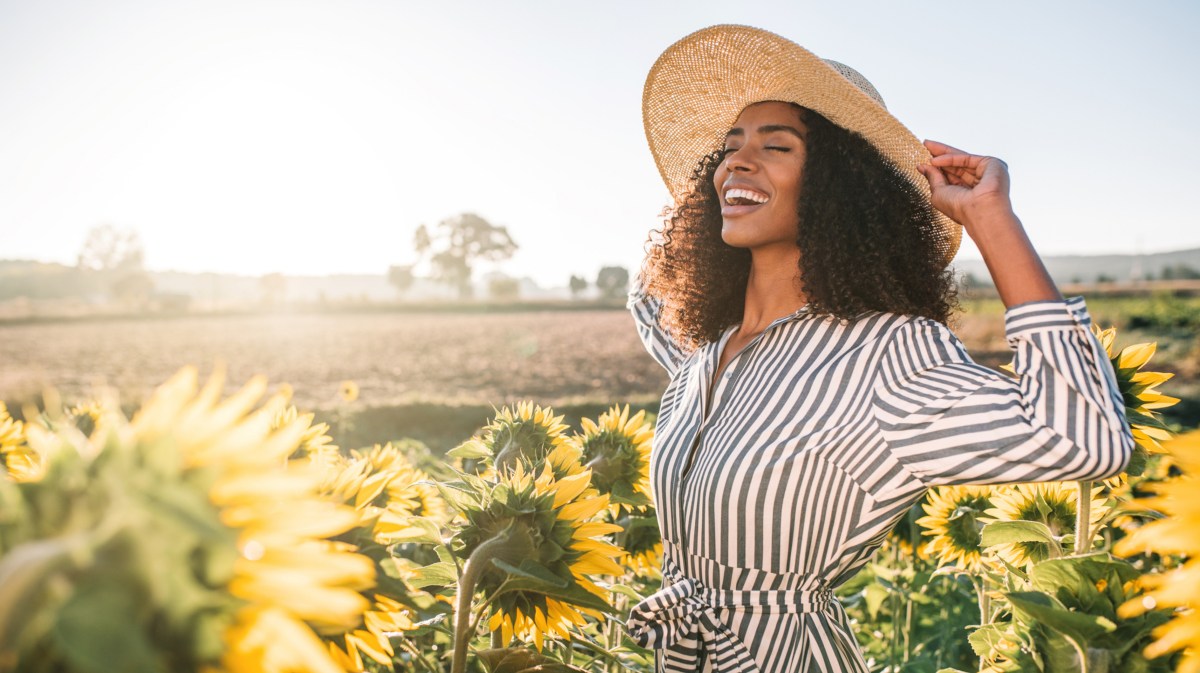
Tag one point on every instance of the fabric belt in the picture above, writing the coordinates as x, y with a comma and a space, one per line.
680, 617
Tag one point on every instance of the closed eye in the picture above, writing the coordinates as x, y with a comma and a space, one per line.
727, 150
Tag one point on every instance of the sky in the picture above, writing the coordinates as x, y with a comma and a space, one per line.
309, 137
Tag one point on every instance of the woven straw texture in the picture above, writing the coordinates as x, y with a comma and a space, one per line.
699, 85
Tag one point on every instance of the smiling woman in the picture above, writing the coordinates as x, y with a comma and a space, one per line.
797, 296
868, 239
760, 207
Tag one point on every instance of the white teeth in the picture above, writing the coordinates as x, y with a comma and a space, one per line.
745, 194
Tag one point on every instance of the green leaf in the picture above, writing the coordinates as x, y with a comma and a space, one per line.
1139, 418
627, 591
1050, 612
874, 596
531, 570
459, 495
985, 639
189, 507
436, 574
1011, 532
470, 449
1137, 461
572, 593
99, 629
420, 529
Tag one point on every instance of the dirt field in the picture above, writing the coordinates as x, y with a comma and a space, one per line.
551, 357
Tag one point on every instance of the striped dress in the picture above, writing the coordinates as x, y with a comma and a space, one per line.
818, 437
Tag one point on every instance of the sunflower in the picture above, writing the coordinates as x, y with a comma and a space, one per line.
1179, 499
617, 450
1138, 389
382, 486
537, 528
641, 541
93, 408
952, 518
348, 390
192, 509
316, 444
287, 573
386, 490
1140, 395
1052, 503
524, 433
19, 462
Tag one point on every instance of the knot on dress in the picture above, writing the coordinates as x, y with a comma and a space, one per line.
681, 616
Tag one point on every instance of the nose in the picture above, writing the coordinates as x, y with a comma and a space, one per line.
740, 159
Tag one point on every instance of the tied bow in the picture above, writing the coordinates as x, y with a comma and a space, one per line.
681, 617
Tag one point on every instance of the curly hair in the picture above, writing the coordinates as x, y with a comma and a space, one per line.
867, 238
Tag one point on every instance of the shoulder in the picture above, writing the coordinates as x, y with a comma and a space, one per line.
918, 338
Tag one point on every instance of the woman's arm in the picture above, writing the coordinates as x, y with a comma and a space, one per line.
949, 420
974, 191
658, 341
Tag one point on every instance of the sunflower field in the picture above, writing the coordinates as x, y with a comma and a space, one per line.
207, 532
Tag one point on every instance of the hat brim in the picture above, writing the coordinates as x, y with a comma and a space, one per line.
699, 85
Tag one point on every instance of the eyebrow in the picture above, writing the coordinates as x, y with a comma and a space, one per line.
763, 130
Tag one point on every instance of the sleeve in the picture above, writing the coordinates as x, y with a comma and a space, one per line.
658, 342
948, 420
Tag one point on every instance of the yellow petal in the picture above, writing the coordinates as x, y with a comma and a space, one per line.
568, 488
1136, 355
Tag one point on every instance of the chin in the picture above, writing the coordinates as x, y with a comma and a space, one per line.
737, 237
729, 234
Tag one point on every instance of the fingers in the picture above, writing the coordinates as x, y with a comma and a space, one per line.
957, 160
935, 148
933, 174
946, 156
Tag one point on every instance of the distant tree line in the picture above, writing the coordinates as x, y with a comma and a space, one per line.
452, 250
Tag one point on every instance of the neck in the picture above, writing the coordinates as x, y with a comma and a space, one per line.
773, 289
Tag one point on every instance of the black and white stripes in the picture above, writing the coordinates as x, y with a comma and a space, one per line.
818, 437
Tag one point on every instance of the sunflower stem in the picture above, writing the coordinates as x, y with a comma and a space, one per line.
1083, 518
417, 655
894, 598
472, 569
612, 631
984, 618
908, 628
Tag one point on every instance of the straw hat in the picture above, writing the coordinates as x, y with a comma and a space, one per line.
699, 85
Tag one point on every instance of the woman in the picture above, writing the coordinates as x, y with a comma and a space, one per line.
798, 296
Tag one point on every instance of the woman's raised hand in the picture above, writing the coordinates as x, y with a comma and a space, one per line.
973, 191
968, 188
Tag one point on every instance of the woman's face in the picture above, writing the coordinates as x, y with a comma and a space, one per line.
759, 178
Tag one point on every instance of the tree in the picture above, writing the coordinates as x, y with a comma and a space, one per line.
504, 288
1181, 272
578, 284
401, 277
132, 287
459, 243
273, 287
613, 282
114, 258
108, 249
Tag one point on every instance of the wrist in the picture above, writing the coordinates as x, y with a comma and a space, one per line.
988, 208
994, 228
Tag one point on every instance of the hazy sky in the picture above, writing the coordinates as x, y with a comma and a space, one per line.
313, 137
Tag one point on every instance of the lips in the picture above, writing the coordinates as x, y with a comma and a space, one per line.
743, 191
736, 211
